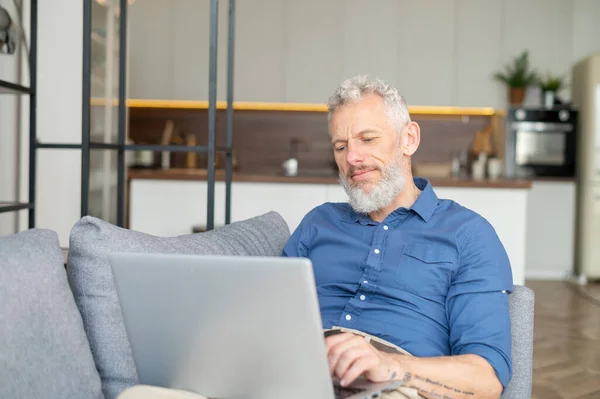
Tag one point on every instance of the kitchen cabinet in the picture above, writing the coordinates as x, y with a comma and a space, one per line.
360, 55
169, 50
261, 51
475, 58
434, 52
151, 51
426, 63
313, 49
550, 230
173, 207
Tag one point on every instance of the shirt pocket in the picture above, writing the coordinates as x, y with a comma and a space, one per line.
426, 270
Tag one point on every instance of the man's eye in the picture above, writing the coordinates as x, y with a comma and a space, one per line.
368, 139
340, 148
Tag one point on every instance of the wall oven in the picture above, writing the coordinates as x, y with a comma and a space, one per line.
540, 142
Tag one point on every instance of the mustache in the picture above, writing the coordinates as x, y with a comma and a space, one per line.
361, 167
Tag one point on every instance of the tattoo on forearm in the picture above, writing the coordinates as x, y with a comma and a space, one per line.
409, 376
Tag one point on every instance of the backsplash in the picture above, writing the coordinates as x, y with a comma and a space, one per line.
262, 139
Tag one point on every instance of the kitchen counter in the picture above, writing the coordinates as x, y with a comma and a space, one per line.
172, 202
310, 177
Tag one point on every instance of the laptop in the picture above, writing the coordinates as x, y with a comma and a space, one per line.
228, 326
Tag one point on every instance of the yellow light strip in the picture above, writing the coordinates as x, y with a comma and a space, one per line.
298, 107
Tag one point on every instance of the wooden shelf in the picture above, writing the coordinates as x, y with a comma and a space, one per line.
294, 107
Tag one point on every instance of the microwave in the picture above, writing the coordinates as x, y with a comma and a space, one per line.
540, 142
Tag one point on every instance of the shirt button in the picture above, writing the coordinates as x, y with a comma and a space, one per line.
362, 297
376, 251
365, 282
348, 317
385, 227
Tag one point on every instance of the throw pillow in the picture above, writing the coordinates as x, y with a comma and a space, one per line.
90, 276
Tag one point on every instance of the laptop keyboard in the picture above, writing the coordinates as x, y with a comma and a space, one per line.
345, 392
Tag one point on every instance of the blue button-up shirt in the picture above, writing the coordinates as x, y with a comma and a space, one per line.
432, 279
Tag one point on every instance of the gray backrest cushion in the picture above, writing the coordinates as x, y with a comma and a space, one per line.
521, 304
44, 351
90, 276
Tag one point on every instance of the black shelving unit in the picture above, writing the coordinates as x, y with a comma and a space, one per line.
10, 88
87, 145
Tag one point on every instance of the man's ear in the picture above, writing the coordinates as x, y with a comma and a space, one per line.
411, 138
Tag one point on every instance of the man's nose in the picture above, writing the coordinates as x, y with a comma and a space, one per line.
354, 157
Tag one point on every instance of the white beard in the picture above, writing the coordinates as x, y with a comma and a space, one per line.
381, 194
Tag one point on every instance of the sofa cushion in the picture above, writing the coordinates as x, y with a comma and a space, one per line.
90, 275
44, 351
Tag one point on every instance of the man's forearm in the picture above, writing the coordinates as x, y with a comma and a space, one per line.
452, 377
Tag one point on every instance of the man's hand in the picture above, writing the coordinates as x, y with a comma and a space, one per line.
351, 356
452, 377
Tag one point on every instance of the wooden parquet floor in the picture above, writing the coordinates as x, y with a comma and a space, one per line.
566, 352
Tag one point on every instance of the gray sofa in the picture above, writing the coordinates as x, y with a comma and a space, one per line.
62, 332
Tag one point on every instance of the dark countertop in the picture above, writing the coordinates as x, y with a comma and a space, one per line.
311, 178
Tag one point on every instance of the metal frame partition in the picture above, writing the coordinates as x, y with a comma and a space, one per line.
17, 89
87, 145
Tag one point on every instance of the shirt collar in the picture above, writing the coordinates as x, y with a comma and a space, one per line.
424, 206
427, 201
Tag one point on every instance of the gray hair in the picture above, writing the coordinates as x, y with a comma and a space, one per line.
352, 89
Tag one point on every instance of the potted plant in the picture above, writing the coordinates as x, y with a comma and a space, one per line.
517, 75
550, 85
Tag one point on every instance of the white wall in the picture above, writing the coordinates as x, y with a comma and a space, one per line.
59, 114
58, 118
436, 52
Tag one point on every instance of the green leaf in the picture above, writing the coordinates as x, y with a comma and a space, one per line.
518, 74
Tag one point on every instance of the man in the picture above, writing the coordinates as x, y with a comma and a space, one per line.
400, 264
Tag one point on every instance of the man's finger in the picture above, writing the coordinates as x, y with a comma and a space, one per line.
333, 340
334, 352
357, 368
348, 358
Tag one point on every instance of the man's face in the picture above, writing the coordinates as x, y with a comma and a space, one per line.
368, 153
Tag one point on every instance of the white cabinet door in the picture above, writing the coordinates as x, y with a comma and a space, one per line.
151, 49
426, 51
550, 230
260, 57
292, 201
170, 207
476, 57
371, 51
313, 32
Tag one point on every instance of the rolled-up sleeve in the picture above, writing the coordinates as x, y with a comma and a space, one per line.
477, 302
